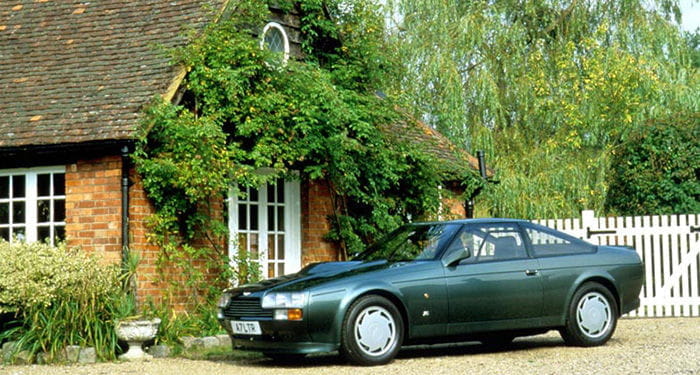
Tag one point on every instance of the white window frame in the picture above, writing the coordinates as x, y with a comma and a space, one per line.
31, 219
285, 39
292, 227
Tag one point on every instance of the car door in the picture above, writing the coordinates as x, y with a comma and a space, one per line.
498, 286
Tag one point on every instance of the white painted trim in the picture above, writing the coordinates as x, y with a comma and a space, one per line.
292, 226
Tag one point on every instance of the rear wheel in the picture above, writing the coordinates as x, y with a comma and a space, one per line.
372, 331
592, 316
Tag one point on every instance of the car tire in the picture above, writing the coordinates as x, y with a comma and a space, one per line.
372, 331
592, 316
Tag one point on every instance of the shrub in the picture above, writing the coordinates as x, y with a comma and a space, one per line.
656, 170
60, 297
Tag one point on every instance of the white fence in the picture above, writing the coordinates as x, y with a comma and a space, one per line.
669, 245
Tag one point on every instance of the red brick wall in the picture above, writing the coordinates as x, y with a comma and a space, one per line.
316, 205
93, 206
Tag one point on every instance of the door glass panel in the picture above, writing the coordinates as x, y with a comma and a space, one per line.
5, 234
271, 218
253, 217
242, 217
280, 192
280, 218
4, 187
271, 253
280, 246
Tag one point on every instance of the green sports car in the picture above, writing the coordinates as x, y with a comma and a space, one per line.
487, 280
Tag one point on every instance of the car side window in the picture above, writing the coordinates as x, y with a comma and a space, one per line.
468, 240
546, 242
501, 242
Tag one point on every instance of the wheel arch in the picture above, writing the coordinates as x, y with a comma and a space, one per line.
393, 298
602, 280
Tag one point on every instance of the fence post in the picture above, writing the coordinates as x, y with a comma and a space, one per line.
588, 222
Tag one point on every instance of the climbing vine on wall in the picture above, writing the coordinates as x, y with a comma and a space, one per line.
313, 118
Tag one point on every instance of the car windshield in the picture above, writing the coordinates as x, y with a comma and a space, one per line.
410, 242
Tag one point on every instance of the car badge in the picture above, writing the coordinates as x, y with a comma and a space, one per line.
246, 294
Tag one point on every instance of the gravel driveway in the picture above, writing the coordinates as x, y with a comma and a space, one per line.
640, 346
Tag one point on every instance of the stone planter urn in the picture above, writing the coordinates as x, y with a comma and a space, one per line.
135, 332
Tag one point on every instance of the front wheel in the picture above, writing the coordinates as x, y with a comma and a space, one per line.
592, 316
372, 331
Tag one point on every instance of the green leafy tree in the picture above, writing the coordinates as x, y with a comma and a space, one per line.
656, 168
546, 88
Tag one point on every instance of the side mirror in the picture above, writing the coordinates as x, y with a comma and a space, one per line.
455, 257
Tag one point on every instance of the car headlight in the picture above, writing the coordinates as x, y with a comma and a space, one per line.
224, 300
283, 300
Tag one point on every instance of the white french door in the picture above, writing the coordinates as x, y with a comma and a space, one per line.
266, 223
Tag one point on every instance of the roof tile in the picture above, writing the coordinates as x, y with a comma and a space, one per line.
77, 71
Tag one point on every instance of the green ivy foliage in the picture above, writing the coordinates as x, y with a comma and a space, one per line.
656, 169
315, 118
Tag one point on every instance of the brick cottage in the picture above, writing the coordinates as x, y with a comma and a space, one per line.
74, 78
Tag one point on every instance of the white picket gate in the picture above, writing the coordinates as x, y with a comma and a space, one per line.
669, 245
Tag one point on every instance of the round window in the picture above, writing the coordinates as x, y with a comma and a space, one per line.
275, 39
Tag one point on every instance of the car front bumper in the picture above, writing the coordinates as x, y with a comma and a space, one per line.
279, 337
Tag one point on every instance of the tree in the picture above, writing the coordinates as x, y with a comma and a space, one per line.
546, 88
656, 168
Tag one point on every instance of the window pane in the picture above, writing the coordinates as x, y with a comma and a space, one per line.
59, 232
280, 191
242, 217
253, 217
59, 184
271, 193
252, 195
5, 234
280, 219
271, 253
548, 243
43, 234
280, 269
242, 244
271, 218
43, 182
274, 40
18, 212
59, 210
271, 270
18, 186
18, 232
254, 246
4, 187
5, 213
43, 209
280, 246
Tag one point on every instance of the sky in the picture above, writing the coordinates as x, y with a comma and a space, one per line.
691, 14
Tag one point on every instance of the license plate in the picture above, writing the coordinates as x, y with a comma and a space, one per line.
245, 328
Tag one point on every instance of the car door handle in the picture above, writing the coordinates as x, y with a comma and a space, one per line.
531, 272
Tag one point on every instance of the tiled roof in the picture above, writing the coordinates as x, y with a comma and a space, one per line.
452, 159
78, 71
